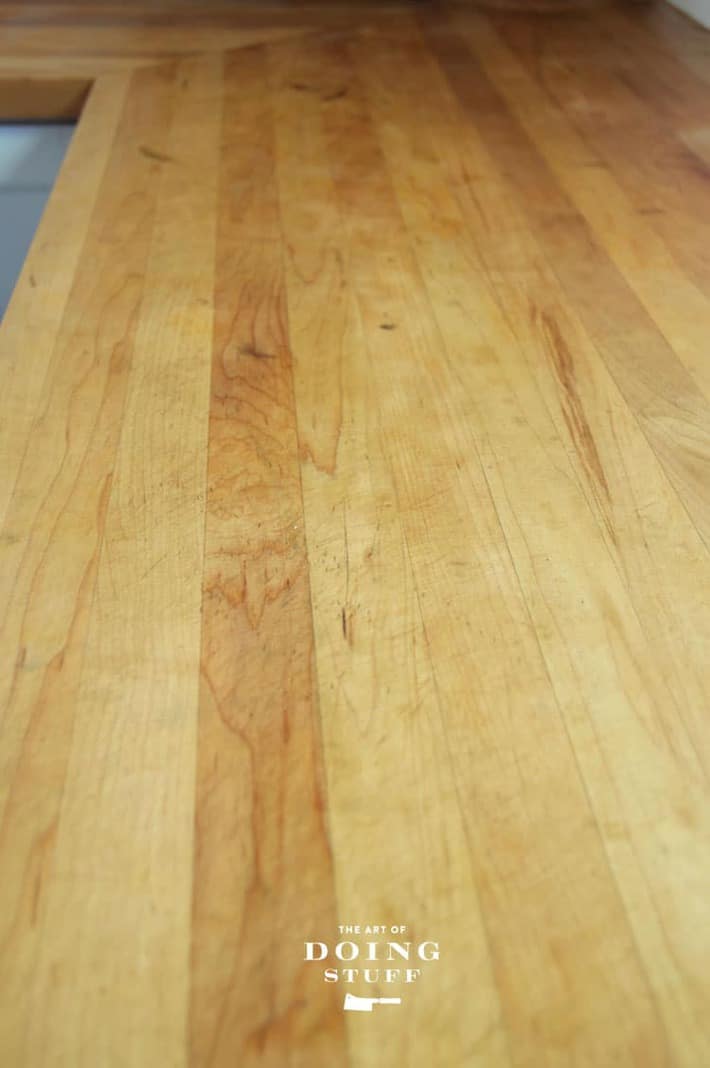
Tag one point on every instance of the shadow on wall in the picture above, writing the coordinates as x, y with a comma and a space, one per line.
30, 158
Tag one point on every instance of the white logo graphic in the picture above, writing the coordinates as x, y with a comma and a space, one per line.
355, 1004
379, 959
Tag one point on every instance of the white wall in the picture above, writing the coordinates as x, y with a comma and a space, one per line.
30, 157
697, 9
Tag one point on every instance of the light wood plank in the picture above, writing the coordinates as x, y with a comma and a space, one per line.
681, 311
460, 559
646, 530
113, 970
611, 613
629, 134
64, 444
33, 317
673, 412
392, 797
678, 53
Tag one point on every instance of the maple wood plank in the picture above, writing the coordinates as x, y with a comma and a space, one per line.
133, 745
658, 388
680, 310
263, 865
376, 680
523, 319
53, 524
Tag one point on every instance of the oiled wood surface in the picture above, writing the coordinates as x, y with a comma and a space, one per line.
355, 513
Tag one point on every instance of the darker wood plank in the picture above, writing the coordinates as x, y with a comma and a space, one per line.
263, 865
42, 99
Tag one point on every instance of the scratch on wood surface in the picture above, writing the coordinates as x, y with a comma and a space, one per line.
152, 153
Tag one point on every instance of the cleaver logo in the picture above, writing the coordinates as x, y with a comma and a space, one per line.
372, 955
353, 1003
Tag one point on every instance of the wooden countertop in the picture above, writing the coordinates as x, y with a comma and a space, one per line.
355, 511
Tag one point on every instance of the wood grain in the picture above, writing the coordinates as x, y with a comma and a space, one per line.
376, 681
444, 271
355, 514
53, 525
674, 303
34, 318
138, 726
263, 866
384, 275
42, 99
658, 388
632, 135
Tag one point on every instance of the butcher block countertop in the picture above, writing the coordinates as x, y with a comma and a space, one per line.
354, 526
